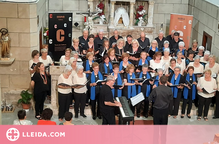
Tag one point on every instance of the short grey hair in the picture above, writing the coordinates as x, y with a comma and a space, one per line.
119, 40
85, 30
207, 52
197, 57
110, 77
101, 30
201, 48
160, 31
44, 50
166, 42
181, 43
144, 66
159, 70
173, 31
166, 50
79, 67
73, 53
177, 67
68, 68
72, 59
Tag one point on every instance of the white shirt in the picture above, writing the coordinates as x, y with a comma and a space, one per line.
154, 65
202, 60
31, 62
166, 61
80, 80
63, 61
22, 122
67, 81
199, 69
214, 69
47, 61
182, 65
208, 85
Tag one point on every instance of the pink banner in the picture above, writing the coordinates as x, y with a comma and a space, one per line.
187, 134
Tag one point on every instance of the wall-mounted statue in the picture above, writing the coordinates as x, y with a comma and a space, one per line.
121, 12
5, 43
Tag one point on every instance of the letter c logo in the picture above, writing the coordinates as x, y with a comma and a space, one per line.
60, 35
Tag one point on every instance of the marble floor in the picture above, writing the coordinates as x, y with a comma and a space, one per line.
7, 119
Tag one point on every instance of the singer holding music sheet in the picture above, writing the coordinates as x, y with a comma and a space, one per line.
64, 91
107, 103
106, 67
205, 83
117, 92
76, 46
119, 49
33, 62
189, 92
80, 91
161, 95
95, 89
124, 63
143, 60
145, 88
104, 48
134, 50
152, 50
175, 82
156, 63
112, 56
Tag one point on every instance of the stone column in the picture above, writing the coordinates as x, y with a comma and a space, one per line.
112, 5
91, 3
131, 19
150, 13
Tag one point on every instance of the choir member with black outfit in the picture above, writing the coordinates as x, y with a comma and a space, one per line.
201, 50
112, 57
216, 112
89, 46
106, 67
40, 86
134, 52
33, 62
76, 47
162, 96
175, 79
152, 50
190, 57
83, 40
145, 88
128, 43
64, 91
144, 42
117, 92
194, 47
107, 103
95, 89
160, 40
119, 49
174, 44
98, 41
113, 39
104, 48
170, 37
189, 92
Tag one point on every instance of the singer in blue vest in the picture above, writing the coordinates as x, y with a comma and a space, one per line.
124, 63
130, 85
95, 89
88, 63
145, 88
118, 81
189, 92
106, 67
143, 60
175, 79
152, 50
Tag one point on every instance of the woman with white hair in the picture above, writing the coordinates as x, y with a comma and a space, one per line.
181, 62
174, 82
76, 47
134, 50
64, 60
119, 49
160, 39
166, 56
166, 44
80, 91
64, 91
201, 51
152, 50
181, 48
212, 65
45, 58
204, 60
198, 68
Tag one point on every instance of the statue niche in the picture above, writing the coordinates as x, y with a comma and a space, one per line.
121, 13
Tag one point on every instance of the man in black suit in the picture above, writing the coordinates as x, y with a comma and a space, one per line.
160, 40
128, 43
143, 41
114, 38
98, 41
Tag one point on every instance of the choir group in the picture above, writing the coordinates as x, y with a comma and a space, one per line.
136, 65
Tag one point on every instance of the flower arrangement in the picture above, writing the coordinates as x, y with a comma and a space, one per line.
100, 10
46, 33
140, 15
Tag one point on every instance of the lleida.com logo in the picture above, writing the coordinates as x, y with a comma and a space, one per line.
12, 134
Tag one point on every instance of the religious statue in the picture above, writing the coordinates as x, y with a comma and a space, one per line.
121, 12
100, 16
5, 43
140, 16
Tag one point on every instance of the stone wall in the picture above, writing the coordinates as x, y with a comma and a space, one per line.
162, 11
21, 21
73, 6
205, 18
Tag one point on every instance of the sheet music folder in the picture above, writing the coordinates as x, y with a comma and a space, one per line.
137, 99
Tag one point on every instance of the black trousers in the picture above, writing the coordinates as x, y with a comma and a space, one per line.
160, 116
174, 104
80, 100
72, 97
203, 102
185, 101
64, 102
146, 106
39, 99
216, 112
93, 105
108, 117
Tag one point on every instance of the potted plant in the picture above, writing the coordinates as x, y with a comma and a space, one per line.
26, 96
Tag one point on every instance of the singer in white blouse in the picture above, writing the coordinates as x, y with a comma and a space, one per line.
181, 62
64, 60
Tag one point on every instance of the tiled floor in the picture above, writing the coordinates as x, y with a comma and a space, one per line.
7, 119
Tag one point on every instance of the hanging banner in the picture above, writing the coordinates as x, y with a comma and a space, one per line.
183, 25
60, 33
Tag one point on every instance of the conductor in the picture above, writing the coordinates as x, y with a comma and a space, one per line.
161, 95
107, 103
